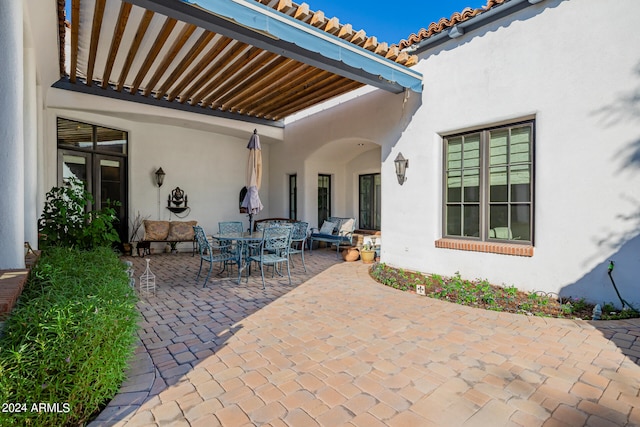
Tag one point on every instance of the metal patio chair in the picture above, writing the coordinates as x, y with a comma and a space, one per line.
299, 240
213, 253
273, 250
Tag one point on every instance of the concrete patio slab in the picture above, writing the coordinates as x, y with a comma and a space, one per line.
337, 348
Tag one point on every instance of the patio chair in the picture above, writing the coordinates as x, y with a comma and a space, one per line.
299, 240
227, 227
213, 253
273, 250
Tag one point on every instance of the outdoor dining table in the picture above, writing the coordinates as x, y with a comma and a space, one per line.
244, 239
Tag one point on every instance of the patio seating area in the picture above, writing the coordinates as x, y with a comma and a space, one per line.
337, 348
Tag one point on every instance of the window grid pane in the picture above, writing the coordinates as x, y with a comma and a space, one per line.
463, 185
508, 167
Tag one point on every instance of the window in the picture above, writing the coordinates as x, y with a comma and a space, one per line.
369, 190
293, 196
488, 184
98, 157
324, 198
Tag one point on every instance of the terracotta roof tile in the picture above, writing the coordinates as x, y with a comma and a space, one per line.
444, 24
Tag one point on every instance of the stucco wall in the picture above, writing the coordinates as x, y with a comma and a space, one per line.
546, 62
208, 166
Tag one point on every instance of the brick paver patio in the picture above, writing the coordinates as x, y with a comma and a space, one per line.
337, 348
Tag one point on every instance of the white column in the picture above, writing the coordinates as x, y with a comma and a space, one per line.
30, 148
11, 136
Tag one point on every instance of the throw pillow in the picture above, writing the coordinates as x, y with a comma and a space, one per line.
327, 227
347, 227
180, 231
156, 230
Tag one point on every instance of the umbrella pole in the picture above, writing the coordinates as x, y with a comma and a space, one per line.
250, 222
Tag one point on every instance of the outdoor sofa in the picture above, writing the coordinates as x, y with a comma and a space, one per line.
336, 231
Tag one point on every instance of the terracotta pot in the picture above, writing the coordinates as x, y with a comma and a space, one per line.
367, 257
350, 254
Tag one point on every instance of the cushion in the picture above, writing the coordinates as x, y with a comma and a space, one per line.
156, 230
347, 227
327, 227
181, 230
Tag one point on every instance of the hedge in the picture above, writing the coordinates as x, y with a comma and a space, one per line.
66, 346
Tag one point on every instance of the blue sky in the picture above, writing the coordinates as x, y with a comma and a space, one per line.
389, 21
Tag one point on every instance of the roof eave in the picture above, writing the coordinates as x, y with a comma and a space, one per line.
478, 21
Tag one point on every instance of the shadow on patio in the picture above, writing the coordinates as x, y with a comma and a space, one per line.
184, 323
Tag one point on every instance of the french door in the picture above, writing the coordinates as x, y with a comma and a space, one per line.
97, 156
104, 176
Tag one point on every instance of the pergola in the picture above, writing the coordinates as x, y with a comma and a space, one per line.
257, 61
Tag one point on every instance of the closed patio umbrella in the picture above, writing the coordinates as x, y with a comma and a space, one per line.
254, 178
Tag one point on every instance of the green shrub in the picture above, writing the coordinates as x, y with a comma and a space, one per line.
65, 220
69, 339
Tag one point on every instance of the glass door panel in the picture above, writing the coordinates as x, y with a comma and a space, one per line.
324, 198
110, 188
370, 202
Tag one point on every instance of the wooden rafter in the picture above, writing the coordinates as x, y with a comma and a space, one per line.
338, 89
188, 59
235, 49
234, 67
199, 67
98, 14
285, 75
180, 41
283, 87
241, 76
75, 28
281, 64
166, 30
121, 24
290, 94
133, 50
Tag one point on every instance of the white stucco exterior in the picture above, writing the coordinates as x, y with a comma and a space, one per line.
544, 63
566, 63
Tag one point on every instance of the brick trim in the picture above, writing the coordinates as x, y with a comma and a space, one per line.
488, 247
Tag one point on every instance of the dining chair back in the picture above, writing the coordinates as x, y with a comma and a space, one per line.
273, 250
226, 227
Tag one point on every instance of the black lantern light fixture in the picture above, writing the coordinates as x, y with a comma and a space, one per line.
160, 177
401, 168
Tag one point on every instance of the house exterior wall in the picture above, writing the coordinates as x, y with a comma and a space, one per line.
545, 63
344, 138
209, 166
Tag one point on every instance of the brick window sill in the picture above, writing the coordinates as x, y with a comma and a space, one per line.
487, 247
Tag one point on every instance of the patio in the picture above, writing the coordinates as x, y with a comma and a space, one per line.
336, 348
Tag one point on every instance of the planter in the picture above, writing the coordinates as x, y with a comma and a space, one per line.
351, 254
126, 248
367, 257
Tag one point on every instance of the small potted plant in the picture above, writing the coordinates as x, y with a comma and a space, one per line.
367, 253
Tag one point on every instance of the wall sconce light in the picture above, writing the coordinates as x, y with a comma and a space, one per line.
401, 168
160, 177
